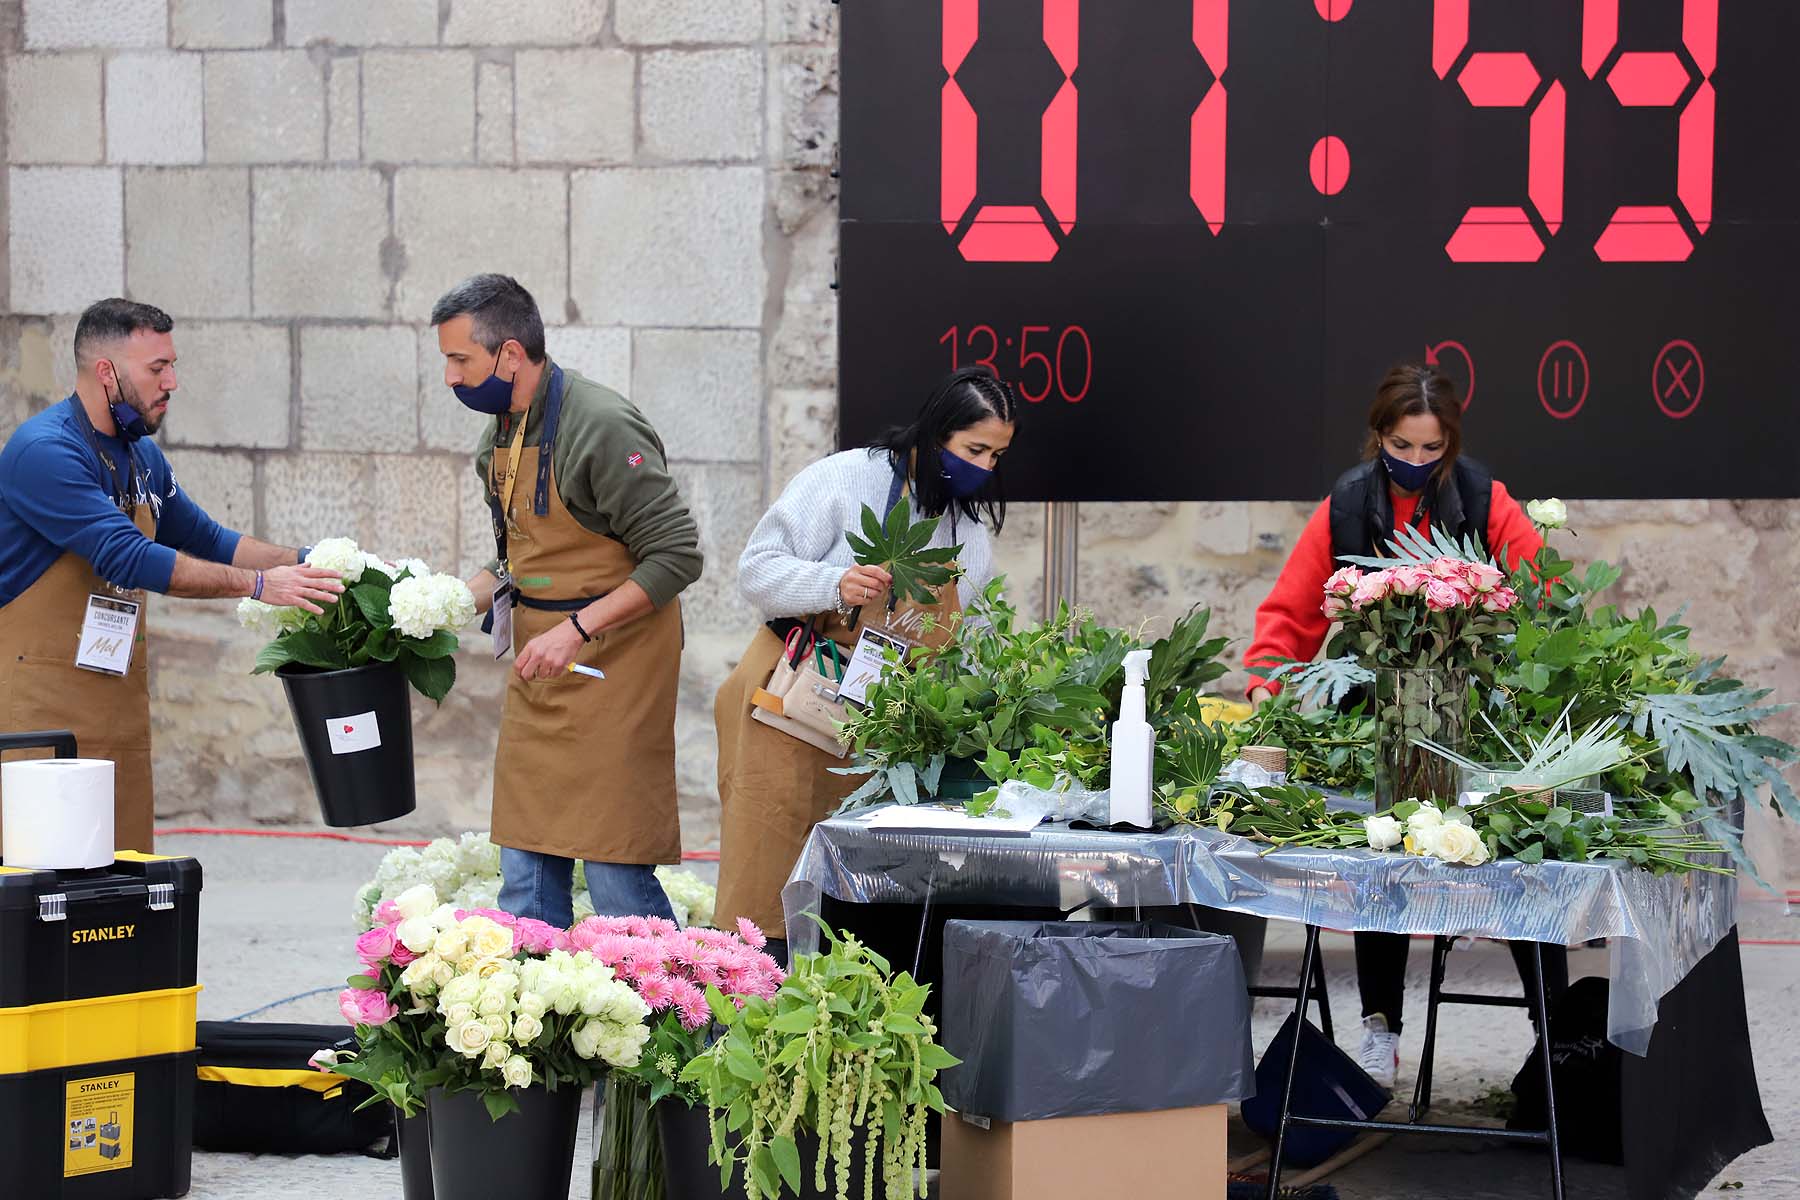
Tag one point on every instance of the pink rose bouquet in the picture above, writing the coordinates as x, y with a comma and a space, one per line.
1443, 613
671, 969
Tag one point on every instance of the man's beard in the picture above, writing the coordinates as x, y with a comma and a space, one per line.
128, 395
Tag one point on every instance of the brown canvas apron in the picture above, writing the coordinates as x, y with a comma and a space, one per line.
773, 788
586, 767
42, 688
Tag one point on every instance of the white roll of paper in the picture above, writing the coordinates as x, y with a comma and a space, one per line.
57, 813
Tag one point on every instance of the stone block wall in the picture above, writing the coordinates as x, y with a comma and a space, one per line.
296, 181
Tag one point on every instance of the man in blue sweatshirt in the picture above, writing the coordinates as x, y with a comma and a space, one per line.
91, 519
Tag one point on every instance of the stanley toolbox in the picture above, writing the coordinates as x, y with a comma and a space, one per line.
97, 1006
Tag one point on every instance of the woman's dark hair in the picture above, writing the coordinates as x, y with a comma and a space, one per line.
964, 397
1410, 390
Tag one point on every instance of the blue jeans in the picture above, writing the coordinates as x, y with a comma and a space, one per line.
538, 886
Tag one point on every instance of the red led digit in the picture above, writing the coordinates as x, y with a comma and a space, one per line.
1008, 233
1206, 132
1653, 233
986, 360
1027, 357
1062, 374
1504, 80
950, 336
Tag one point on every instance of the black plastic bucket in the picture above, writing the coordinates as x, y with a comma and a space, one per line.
525, 1155
414, 1133
689, 1175
337, 713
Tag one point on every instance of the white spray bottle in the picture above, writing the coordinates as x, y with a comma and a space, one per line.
1133, 744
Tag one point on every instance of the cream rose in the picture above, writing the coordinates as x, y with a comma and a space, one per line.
458, 1014
442, 972
1548, 514
533, 1004
1459, 844
469, 1039
487, 939
451, 944
1427, 817
496, 1056
416, 901
516, 1072
498, 1026
464, 989
526, 1029
585, 1041
1384, 832
417, 934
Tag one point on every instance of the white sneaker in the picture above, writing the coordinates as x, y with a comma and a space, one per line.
1380, 1053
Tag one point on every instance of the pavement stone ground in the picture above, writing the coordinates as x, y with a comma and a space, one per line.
275, 924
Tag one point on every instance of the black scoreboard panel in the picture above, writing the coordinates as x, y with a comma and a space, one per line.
1194, 233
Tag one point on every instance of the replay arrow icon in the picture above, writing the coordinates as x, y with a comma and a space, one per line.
1431, 360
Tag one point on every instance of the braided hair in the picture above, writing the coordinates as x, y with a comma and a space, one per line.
966, 396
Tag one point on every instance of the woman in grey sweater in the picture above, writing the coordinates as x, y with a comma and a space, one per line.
773, 787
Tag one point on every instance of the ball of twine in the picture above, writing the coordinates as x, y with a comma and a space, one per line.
1269, 758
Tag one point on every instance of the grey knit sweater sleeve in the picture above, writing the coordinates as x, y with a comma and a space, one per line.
799, 550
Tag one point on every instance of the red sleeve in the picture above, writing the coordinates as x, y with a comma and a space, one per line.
1289, 621
1509, 529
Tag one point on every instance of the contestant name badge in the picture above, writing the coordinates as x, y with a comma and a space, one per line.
866, 663
108, 634
502, 611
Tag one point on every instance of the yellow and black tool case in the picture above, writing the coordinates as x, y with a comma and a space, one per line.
97, 1022
72, 935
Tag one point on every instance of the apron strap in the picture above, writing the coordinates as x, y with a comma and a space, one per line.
540, 499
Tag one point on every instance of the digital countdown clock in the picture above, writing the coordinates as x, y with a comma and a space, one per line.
1194, 233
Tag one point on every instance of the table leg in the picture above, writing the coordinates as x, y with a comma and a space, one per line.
1287, 1087
1541, 1006
1440, 958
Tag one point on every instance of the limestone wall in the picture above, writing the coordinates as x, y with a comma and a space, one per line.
297, 180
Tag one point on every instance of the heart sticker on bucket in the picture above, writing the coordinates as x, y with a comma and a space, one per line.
354, 733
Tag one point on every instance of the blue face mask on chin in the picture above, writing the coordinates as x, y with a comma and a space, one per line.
130, 421
961, 477
1410, 477
492, 396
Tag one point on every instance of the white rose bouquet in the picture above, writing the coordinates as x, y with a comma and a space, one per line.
389, 612
481, 1001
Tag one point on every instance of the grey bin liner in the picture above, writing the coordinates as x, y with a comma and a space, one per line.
1065, 1019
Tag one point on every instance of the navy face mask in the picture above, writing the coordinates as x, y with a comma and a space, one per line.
130, 421
962, 477
491, 396
1411, 477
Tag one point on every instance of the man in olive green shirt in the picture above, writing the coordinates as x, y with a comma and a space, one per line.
611, 560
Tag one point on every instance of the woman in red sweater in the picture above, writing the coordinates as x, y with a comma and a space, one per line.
1413, 473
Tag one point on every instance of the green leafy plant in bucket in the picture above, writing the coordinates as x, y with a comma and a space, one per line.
844, 1053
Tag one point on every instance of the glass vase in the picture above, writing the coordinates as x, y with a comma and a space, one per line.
1430, 703
628, 1162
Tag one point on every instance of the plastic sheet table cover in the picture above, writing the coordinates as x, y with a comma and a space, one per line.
1658, 926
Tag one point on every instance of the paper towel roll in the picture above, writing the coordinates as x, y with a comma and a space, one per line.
57, 813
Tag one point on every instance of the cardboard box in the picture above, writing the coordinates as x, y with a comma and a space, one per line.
1175, 1154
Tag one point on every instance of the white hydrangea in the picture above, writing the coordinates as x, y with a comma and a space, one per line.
338, 554
415, 567
258, 617
421, 607
477, 855
690, 896
374, 562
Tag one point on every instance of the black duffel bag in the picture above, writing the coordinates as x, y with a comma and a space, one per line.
1585, 1069
258, 1093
